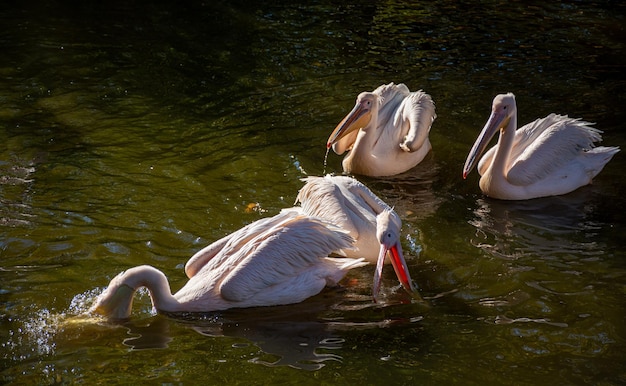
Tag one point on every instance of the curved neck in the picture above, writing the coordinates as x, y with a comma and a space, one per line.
500, 164
366, 140
368, 133
156, 282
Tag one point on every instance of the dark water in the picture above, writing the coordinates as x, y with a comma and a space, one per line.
138, 132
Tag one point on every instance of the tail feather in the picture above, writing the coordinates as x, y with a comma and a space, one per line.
342, 266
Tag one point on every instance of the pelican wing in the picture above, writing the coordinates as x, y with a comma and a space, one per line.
200, 258
321, 197
415, 116
363, 199
341, 200
392, 97
524, 138
281, 253
547, 144
226, 252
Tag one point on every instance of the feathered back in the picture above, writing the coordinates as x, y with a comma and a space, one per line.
321, 197
341, 200
412, 113
265, 252
563, 138
391, 96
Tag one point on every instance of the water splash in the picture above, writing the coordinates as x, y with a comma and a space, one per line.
297, 164
413, 242
81, 303
38, 333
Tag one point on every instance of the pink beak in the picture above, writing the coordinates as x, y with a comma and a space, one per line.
399, 265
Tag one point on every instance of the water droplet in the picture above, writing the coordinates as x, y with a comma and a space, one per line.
325, 160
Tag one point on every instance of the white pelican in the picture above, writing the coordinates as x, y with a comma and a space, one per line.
374, 225
273, 261
548, 157
386, 132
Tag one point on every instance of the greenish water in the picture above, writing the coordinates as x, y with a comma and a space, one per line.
139, 132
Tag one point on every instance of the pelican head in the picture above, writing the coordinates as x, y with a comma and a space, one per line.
366, 107
388, 234
502, 111
115, 302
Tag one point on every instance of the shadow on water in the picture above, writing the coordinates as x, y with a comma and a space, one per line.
302, 336
292, 335
541, 227
530, 243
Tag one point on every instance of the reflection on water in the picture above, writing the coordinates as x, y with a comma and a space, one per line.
285, 336
302, 336
300, 344
541, 227
411, 193
413, 197
551, 255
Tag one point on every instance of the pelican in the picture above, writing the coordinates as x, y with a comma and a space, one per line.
386, 133
374, 225
548, 157
272, 261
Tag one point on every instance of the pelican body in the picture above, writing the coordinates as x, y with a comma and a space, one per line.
550, 156
386, 133
373, 225
273, 261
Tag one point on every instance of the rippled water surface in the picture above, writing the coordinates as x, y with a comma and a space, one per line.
139, 132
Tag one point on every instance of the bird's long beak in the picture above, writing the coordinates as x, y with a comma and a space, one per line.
359, 117
399, 265
496, 121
